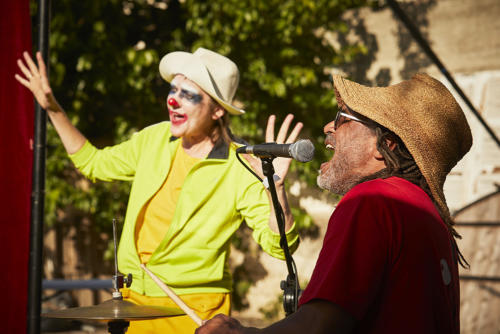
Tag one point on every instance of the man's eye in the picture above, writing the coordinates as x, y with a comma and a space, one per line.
172, 90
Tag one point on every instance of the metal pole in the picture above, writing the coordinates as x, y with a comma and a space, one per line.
427, 49
38, 187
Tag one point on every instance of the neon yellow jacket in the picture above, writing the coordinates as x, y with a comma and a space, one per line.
217, 196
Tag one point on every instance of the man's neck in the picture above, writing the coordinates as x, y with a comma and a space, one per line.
381, 174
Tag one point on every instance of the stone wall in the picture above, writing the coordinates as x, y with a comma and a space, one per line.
465, 35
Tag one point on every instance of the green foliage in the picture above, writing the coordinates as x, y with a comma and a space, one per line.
280, 49
104, 57
304, 223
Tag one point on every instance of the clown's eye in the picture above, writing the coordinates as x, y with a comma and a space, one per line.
172, 90
191, 96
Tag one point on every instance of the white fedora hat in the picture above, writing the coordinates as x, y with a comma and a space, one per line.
217, 75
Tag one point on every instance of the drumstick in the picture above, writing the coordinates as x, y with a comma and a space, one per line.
173, 296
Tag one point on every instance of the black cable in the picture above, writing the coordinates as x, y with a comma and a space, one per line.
249, 169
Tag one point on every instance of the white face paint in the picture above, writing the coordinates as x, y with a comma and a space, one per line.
186, 91
191, 115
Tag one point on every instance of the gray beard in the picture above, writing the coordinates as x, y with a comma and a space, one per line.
343, 171
338, 179
337, 186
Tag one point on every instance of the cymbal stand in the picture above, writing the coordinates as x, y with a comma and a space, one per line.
118, 326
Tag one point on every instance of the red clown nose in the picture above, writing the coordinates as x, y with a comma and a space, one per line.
172, 102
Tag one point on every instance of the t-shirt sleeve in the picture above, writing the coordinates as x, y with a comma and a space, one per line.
354, 256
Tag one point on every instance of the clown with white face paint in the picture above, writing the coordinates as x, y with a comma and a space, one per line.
189, 192
192, 112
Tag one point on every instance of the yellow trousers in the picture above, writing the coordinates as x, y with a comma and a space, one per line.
206, 305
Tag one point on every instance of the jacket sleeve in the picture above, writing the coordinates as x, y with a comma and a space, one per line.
116, 162
255, 207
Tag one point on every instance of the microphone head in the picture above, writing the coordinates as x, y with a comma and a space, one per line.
302, 150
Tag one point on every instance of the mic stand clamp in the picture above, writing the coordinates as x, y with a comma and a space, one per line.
290, 289
290, 286
119, 281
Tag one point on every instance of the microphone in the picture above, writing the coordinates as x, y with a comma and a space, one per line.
302, 150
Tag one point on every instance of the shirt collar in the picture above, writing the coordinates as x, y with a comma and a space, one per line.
219, 151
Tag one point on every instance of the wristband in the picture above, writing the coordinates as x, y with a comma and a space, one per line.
266, 183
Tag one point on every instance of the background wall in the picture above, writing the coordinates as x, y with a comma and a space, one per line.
465, 35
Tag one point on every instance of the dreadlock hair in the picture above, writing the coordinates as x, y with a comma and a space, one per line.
399, 162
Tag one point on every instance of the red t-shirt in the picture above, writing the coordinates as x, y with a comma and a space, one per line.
387, 260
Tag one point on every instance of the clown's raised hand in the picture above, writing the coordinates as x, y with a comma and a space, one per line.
35, 79
281, 165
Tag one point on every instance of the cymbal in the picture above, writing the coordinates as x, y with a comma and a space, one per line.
115, 309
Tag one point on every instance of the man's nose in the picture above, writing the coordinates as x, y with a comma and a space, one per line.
330, 127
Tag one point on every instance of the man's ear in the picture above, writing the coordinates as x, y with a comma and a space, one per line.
391, 143
218, 112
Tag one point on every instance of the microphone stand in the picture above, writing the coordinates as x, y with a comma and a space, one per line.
290, 286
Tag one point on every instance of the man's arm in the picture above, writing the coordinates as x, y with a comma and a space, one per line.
315, 317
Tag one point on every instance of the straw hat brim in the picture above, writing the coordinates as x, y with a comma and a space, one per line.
185, 63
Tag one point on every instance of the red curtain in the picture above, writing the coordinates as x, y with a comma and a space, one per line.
16, 156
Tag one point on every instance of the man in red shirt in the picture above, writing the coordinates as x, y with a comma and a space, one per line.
389, 262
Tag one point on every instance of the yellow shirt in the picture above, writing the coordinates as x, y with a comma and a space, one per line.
151, 228
156, 216
206, 305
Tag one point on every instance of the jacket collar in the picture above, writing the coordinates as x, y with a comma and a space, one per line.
219, 151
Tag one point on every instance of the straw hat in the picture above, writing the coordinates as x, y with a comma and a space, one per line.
217, 75
424, 114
